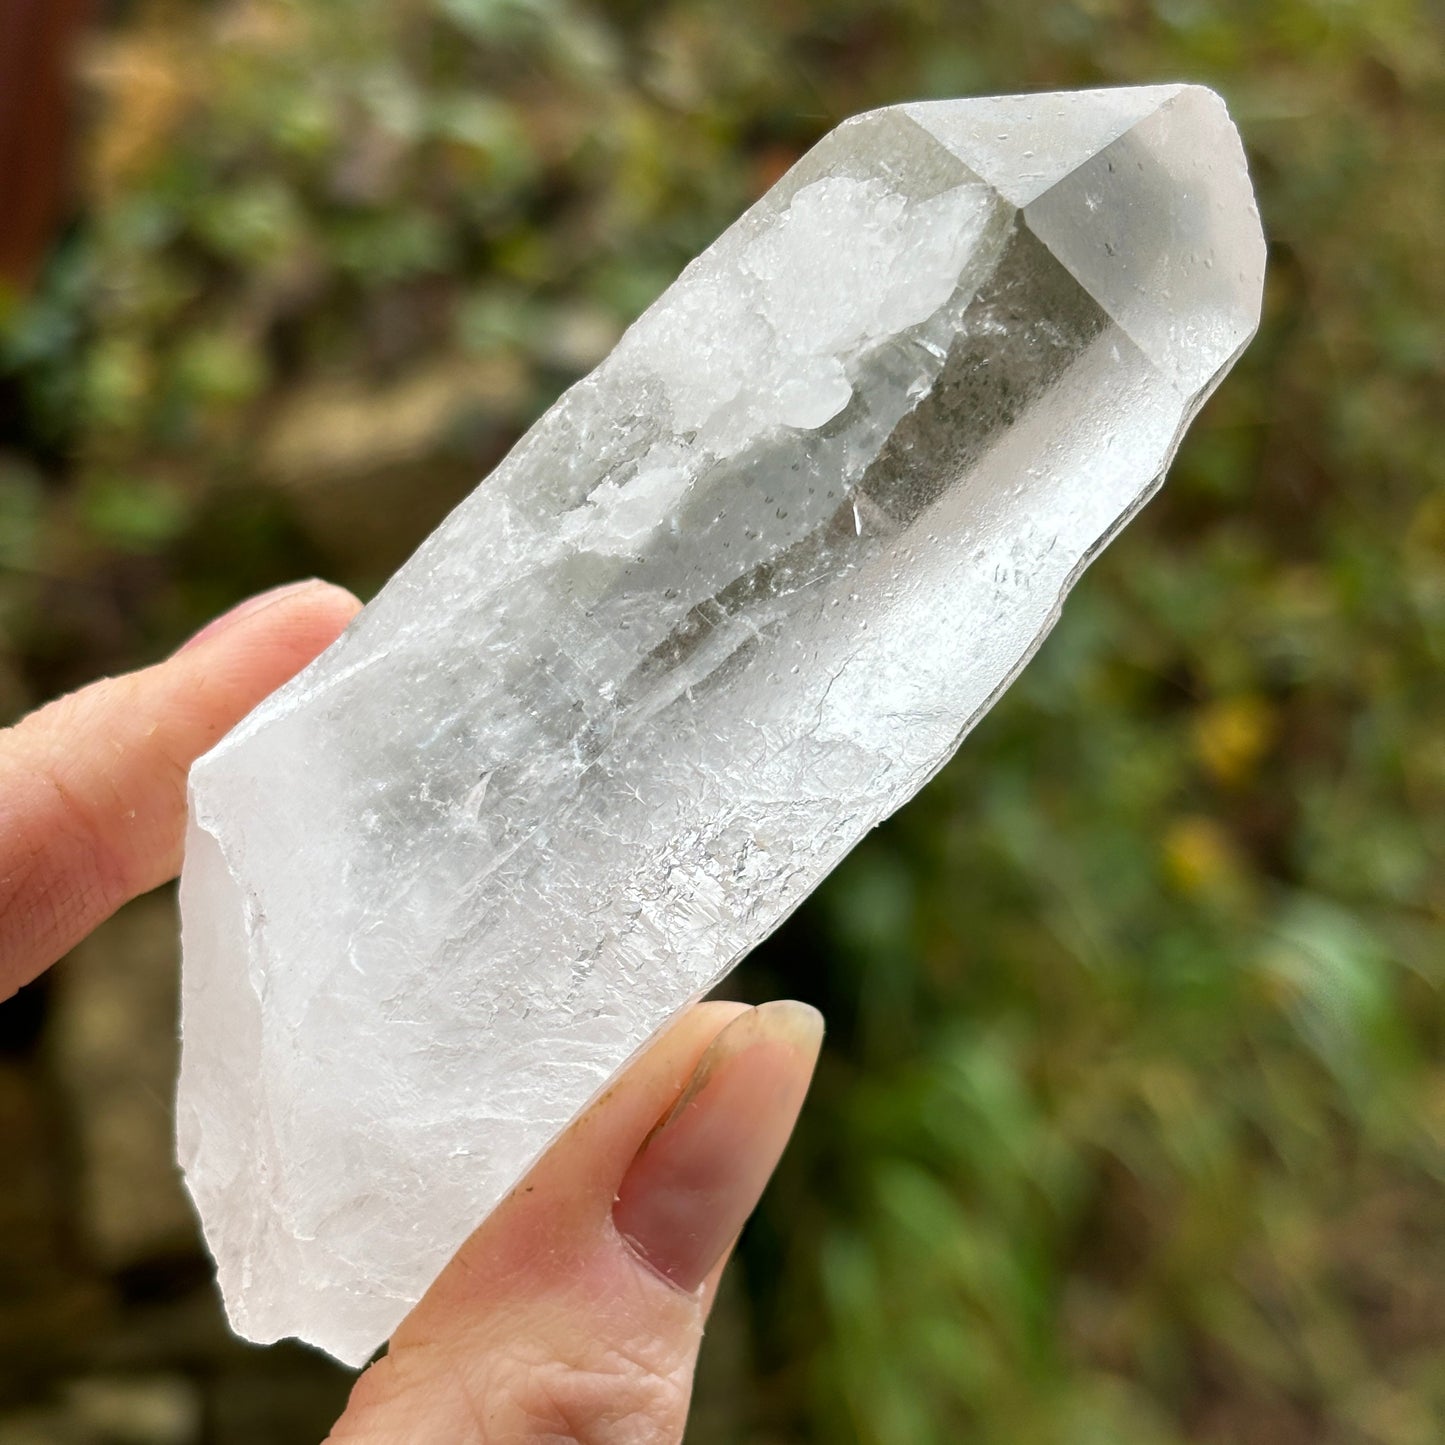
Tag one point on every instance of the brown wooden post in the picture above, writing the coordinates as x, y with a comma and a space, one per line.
37, 47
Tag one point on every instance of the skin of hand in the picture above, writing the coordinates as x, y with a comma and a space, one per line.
575, 1312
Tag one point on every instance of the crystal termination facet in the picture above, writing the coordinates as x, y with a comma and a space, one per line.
729, 603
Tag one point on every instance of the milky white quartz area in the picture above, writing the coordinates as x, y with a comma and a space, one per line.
727, 605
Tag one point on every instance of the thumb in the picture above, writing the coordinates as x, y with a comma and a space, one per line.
575, 1312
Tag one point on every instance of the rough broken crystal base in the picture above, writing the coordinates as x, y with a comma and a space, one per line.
732, 601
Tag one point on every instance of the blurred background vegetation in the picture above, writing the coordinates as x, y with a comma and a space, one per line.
1131, 1126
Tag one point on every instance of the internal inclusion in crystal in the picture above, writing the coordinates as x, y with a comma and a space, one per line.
729, 604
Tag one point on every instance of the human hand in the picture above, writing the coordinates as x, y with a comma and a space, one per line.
575, 1312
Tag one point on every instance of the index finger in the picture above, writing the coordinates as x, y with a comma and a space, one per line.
93, 786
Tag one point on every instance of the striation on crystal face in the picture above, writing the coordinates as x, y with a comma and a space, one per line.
729, 603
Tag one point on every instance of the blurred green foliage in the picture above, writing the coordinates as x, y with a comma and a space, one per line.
1132, 1125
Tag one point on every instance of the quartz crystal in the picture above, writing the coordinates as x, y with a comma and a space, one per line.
727, 605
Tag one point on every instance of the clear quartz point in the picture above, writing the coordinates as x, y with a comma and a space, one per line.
726, 606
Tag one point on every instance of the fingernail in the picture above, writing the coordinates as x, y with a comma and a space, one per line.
248, 608
702, 1170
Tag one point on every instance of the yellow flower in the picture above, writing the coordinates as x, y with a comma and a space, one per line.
1198, 856
1231, 735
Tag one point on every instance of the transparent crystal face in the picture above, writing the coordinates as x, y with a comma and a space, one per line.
732, 601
